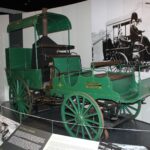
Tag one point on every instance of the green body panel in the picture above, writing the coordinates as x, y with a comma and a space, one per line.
67, 64
18, 58
32, 77
56, 22
127, 88
98, 88
69, 78
123, 85
18, 64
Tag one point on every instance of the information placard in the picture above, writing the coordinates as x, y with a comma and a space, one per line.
27, 138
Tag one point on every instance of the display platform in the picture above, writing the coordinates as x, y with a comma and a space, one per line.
29, 138
132, 133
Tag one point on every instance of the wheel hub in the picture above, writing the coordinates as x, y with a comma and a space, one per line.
79, 119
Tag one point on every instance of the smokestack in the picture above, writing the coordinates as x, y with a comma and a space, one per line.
44, 20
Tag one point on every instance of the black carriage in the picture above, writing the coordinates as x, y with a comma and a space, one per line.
119, 45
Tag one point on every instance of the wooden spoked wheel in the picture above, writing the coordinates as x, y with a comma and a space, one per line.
19, 96
129, 109
82, 116
123, 66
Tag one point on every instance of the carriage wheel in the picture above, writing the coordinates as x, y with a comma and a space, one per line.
122, 58
129, 109
19, 96
82, 116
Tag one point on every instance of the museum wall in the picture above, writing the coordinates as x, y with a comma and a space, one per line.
3, 44
145, 109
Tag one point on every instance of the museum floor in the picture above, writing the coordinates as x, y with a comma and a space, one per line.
131, 132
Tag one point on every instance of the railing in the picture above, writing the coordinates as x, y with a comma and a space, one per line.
57, 127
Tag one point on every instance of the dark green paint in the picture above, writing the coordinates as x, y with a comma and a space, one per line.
56, 22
